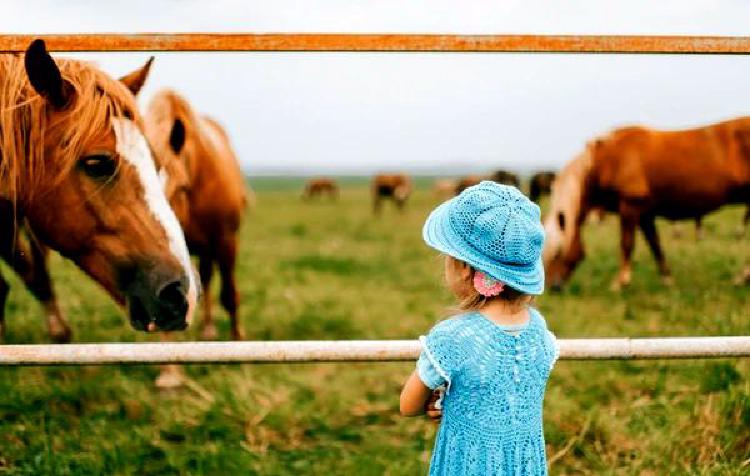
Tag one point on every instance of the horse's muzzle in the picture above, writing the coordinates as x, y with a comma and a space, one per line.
164, 309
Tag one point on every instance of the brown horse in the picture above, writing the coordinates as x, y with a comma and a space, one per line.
444, 188
207, 191
505, 178
640, 174
321, 186
76, 169
466, 182
395, 187
540, 185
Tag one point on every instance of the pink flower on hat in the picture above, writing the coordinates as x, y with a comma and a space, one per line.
487, 285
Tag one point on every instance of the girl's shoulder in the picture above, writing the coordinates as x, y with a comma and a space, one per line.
454, 324
537, 317
552, 347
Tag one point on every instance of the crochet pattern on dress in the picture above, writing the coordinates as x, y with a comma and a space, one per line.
492, 410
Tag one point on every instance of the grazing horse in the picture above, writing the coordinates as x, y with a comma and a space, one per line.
321, 186
395, 187
207, 191
640, 174
75, 168
504, 177
466, 182
540, 185
444, 188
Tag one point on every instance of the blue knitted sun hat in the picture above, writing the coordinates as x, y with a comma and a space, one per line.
495, 229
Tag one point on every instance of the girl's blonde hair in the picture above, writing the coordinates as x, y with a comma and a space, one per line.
471, 300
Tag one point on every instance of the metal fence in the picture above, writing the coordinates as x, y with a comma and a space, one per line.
349, 351
374, 350
383, 43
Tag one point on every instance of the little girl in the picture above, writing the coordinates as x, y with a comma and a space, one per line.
494, 358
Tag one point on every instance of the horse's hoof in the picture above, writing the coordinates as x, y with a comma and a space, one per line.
616, 286
238, 334
667, 280
743, 278
209, 333
61, 336
170, 377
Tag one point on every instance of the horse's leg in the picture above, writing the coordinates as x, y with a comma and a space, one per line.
400, 205
229, 297
698, 229
29, 261
648, 226
41, 286
628, 222
170, 375
376, 204
4, 289
744, 276
745, 222
206, 269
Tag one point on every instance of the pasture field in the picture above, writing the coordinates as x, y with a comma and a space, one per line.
327, 270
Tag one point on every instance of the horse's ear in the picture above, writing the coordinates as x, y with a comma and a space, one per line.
45, 77
177, 136
135, 80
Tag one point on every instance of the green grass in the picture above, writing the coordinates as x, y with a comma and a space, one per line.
326, 270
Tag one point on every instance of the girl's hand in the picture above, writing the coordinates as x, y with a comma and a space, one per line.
434, 413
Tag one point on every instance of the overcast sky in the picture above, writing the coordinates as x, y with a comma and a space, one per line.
324, 112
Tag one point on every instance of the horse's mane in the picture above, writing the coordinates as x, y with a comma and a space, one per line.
164, 108
202, 132
569, 184
25, 124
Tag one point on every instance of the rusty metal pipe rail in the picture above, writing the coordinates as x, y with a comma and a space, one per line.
341, 42
350, 351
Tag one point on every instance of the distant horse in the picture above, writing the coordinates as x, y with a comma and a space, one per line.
321, 186
444, 188
505, 178
76, 169
206, 188
394, 187
540, 185
466, 182
640, 174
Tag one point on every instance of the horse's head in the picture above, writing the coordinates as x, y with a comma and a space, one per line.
563, 245
171, 130
95, 195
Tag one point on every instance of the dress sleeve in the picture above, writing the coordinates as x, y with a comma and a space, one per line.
438, 362
553, 348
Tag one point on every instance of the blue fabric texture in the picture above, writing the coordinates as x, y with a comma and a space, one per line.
492, 408
495, 229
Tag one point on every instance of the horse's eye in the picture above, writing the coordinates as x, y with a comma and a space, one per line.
98, 165
561, 220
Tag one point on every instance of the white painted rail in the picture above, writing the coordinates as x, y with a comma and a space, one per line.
350, 351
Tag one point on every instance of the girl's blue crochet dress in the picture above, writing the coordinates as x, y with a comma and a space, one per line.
492, 409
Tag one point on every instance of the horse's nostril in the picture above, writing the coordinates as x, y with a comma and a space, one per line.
174, 296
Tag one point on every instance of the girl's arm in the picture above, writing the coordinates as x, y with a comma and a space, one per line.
414, 396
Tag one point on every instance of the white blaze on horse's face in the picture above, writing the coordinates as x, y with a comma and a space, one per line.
163, 178
133, 148
554, 239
